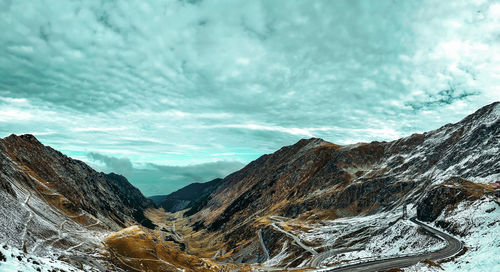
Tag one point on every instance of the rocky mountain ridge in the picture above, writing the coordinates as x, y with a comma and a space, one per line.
108, 195
310, 204
186, 197
315, 177
54, 205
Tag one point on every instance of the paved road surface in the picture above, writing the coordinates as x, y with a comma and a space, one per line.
318, 259
295, 238
453, 247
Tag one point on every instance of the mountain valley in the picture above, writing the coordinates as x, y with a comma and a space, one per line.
421, 203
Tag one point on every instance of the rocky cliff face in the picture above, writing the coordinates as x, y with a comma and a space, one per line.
51, 204
42, 168
314, 175
447, 195
277, 210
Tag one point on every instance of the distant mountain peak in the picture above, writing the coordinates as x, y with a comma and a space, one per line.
23, 137
314, 174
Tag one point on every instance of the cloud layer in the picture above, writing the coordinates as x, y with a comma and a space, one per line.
195, 82
154, 179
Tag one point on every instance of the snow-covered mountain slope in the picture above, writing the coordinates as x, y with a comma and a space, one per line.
477, 223
314, 180
13, 259
472, 217
468, 149
57, 207
312, 204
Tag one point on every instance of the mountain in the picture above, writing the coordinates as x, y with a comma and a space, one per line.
51, 204
187, 196
366, 177
58, 214
427, 201
315, 180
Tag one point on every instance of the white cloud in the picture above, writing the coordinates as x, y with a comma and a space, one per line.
97, 129
293, 131
13, 115
224, 154
174, 82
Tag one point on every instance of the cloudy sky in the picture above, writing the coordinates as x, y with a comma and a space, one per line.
170, 92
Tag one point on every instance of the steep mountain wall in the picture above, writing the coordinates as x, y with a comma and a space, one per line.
52, 204
314, 175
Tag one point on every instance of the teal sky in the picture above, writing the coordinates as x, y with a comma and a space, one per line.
170, 92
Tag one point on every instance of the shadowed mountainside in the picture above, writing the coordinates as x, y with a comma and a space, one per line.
313, 175
79, 187
52, 205
187, 196
275, 209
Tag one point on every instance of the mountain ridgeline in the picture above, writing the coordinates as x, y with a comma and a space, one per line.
186, 197
314, 175
44, 193
276, 212
74, 185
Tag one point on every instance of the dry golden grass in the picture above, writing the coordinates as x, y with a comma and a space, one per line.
138, 249
43, 188
200, 243
277, 206
296, 225
263, 221
471, 189
395, 269
327, 214
431, 263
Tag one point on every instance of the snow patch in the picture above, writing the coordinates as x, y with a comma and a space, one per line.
16, 260
479, 223
278, 258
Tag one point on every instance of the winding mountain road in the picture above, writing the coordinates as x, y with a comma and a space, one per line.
318, 259
453, 247
295, 238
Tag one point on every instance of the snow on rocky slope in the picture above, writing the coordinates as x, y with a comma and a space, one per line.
468, 149
354, 192
477, 223
55, 207
358, 238
313, 203
385, 235
13, 259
